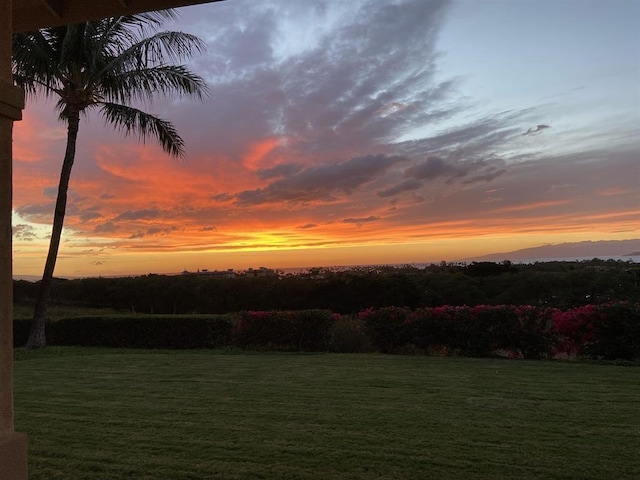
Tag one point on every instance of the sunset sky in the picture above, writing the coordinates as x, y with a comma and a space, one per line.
359, 132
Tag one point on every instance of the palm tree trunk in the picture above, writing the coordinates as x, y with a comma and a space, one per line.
37, 337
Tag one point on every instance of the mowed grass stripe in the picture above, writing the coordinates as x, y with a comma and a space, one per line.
99, 414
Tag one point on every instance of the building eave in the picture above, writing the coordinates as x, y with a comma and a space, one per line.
34, 14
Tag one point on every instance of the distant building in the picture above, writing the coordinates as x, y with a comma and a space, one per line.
230, 273
260, 272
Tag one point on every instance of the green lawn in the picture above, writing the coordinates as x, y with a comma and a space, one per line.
108, 414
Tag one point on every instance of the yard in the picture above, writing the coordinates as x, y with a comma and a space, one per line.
177, 415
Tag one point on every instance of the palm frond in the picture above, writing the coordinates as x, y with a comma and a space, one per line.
159, 49
120, 32
107, 64
130, 121
34, 63
145, 83
116, 35
149, 20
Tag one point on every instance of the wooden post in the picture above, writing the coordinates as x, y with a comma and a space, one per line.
13, 446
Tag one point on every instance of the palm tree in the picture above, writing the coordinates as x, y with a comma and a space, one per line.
103, 65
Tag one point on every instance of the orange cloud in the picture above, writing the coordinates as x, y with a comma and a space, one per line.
33, 138
256, 152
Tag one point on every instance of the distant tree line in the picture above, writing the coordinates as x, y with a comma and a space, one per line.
554, 284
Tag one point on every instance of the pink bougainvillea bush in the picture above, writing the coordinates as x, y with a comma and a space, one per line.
606, 331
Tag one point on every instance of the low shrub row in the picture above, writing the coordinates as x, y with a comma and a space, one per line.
469, 331
135, 331
305, 330
608, 331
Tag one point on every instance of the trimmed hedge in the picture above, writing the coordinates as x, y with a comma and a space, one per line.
21, 332
304, 330
137, 331
388, 328
608, 331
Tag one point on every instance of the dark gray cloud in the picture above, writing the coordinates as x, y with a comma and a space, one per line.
536, 130
476, 137
89, 215
23, 232
154, 232
36, 210
359, 221
482, 170
452, 170
222, 197
323, 182
106, 227
406, 186
448, 170
143, 214
307, 226
466, 154
50, 192
431, 167
282, 170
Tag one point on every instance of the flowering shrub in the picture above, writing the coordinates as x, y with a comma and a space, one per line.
573, 330
608, 331
598, 331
